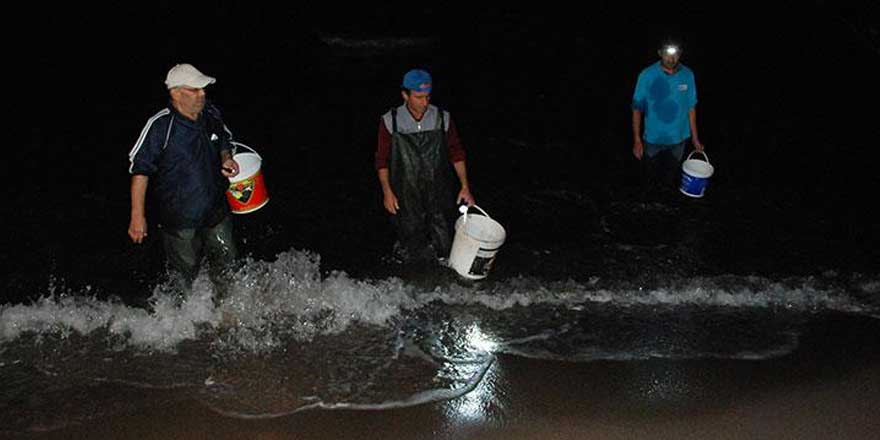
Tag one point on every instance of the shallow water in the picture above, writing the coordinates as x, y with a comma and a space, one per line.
295, 340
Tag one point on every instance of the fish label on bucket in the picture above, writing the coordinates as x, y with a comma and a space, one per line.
242, 190
483, 262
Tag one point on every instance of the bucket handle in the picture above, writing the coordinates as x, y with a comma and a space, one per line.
239, 144
464, 211
701, 152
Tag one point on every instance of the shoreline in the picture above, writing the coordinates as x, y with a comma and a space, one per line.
801, 395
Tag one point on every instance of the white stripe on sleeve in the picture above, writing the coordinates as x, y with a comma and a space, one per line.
143, 136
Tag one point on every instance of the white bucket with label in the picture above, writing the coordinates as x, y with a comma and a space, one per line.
695, 175
247, 191
477, 240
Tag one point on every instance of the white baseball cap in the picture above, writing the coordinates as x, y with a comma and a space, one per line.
187, 75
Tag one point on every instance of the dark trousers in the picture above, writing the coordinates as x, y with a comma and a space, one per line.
185, 248
663, 166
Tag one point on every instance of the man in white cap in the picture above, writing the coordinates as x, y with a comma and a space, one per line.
185, 153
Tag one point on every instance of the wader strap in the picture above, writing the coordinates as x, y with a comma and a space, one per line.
393, 120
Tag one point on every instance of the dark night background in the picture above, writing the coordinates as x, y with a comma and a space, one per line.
787, 111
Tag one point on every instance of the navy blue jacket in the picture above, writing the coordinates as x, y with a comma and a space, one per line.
182, 159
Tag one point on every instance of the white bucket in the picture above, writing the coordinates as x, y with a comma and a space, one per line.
477, 240
695, 175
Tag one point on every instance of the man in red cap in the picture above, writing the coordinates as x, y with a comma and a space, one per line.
418, 149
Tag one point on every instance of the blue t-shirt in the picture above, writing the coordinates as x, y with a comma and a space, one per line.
665, 100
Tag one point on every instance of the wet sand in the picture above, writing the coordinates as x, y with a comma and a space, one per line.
818, 392
609, 400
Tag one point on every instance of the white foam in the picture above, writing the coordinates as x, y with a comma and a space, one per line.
290, 295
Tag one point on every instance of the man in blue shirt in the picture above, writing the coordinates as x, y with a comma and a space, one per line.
184, 153
666, 96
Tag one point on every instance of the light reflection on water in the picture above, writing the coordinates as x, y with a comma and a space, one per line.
483, 404
480, 341
477, 407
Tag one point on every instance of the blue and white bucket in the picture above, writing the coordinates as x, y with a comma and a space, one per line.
695, 175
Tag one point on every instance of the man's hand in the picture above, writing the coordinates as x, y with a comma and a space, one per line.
698, 145
465, 196
137, 229
229, 168
390, 202
638, 149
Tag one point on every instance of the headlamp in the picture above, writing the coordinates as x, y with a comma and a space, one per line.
670, 50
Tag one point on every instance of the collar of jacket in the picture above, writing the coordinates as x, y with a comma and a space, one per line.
179, 117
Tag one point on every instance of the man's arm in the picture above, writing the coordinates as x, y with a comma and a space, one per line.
383, 153
228, 166
695, 138
388, 197
464, 195
457, 157
137, 226
639, 105
638, 146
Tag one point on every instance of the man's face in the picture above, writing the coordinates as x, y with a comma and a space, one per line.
189, 99
417, 101
669, 58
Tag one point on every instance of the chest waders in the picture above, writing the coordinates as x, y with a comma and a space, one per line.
186, 247
421, 178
